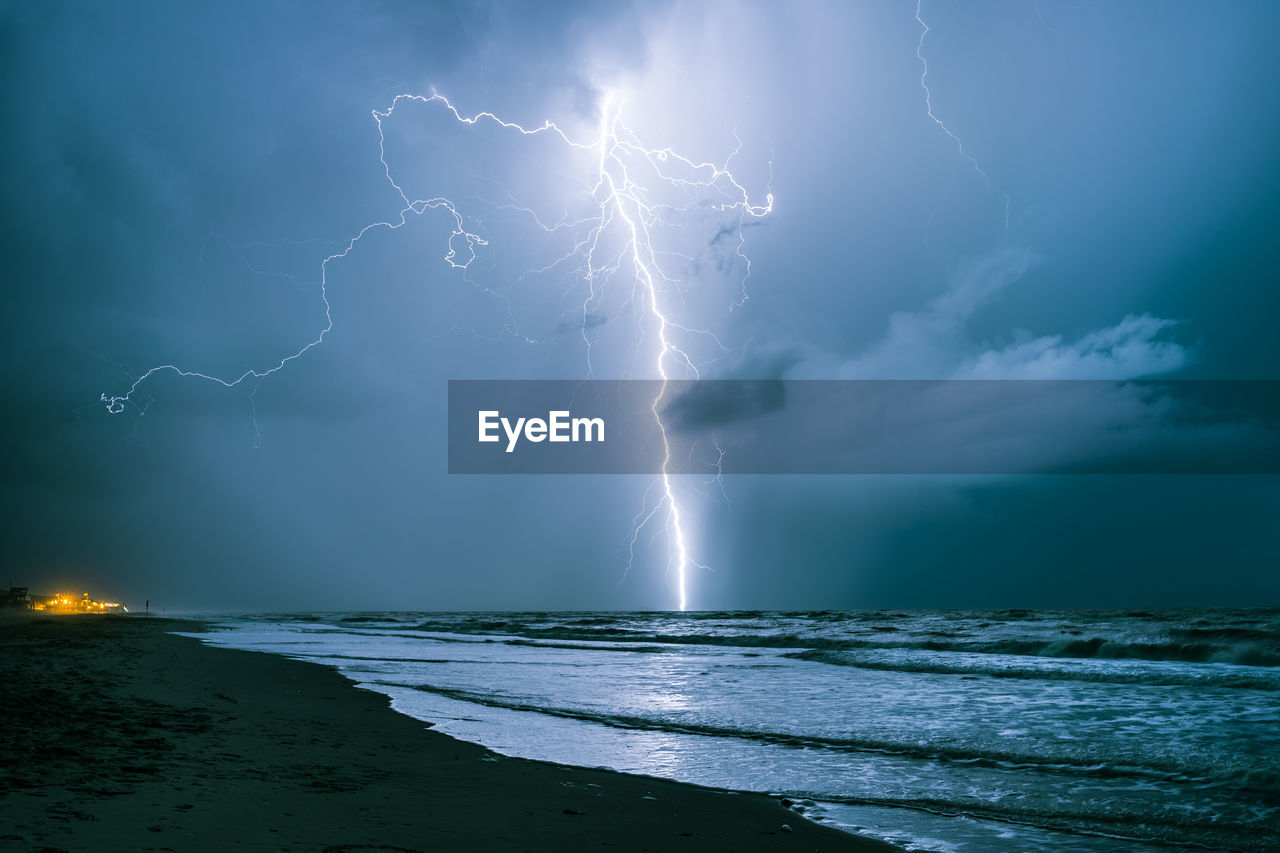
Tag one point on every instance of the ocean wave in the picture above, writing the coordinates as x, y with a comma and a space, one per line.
976, 665
1003, 759
1243, 647
576, 630
379, 618
581, 647
1253, 653
1167, 829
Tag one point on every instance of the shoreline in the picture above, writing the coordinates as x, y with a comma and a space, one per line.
120, 735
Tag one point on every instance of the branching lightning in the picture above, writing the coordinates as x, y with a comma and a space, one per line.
627, 212
617, 240
928, 101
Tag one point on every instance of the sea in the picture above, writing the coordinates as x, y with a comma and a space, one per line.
1011, 730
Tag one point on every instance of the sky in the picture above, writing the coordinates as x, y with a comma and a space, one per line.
1078, 190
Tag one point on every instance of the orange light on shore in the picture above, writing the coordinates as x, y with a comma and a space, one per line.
67, 602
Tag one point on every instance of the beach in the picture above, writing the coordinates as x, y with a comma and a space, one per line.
120, 735
1013, 731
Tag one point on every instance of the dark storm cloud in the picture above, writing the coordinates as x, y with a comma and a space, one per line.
741, 390
149, 141
579, 324
711, 404
174, 174
1009, 427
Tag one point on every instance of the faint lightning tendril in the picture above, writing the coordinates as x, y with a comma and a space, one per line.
928, 101
624, 204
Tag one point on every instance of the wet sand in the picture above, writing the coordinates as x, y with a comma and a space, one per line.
119, 736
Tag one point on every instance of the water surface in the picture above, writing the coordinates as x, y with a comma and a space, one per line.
940, 730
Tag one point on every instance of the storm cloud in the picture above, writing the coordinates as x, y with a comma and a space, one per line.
175, 176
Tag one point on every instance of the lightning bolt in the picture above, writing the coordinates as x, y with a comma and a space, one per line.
625, 198
625, 204
928, 102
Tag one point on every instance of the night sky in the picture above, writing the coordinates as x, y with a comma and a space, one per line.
175, 176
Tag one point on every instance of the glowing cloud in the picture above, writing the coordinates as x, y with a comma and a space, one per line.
626, 192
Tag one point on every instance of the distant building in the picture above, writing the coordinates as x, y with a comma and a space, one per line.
16, 597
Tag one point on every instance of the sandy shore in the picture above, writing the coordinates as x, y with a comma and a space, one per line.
119, 736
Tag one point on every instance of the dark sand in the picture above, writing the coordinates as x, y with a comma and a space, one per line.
119, 736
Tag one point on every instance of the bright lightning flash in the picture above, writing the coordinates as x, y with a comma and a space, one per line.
629, 194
